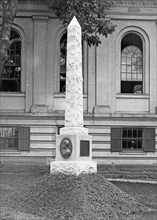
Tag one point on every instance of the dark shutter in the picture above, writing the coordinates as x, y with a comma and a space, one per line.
116, 139
149, 140
24, 139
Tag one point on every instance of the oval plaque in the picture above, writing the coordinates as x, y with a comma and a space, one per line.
66, 148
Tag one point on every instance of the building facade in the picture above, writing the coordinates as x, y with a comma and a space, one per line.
120, 85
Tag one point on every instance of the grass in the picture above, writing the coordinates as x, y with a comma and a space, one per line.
14, 178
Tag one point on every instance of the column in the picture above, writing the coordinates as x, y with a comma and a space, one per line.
40, 51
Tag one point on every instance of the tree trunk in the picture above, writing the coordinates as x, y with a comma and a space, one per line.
9, 11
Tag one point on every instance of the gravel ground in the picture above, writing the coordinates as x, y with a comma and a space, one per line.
70, 197
32, 194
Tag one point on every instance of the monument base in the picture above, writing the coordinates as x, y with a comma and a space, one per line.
73, 167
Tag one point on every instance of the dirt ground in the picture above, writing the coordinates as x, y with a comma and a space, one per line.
13, 177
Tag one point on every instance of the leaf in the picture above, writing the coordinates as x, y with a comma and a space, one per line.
91, 15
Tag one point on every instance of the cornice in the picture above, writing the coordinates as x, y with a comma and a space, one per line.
30, 1
33, 1
136, 3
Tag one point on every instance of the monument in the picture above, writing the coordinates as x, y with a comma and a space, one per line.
73, 144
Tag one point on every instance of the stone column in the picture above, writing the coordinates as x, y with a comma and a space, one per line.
102, 79
156, 71
39, 91
74, 145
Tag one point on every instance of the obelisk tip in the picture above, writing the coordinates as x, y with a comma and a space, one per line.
74, 21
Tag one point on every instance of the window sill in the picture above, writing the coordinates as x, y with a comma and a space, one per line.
12, 94
133, 152
132, 96
8, 152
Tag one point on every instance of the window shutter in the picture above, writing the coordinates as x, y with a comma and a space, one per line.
149, 140
116, 139
24, 139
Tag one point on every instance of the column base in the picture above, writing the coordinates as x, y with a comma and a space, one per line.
39, 108
98, 110
73, 167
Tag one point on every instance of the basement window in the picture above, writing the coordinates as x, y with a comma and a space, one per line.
14, 138
133, 139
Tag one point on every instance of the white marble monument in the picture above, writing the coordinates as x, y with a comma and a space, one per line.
74, 145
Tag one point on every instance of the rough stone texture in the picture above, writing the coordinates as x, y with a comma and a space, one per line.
74, 130
74, 93
140, 172
76, 142
73, 167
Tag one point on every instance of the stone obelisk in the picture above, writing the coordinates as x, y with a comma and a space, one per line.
74, 91
74, 145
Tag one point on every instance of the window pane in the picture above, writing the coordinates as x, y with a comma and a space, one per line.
139, 76
123, 76
123, 60
128, 69
128, 61
123, 69
134, 77
129, 133
140, 133
131, 86
139, 144
124, 144
129, 76
129, 145
124, 133
134, 133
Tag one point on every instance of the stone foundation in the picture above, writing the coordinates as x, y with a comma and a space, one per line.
73, 167
140, 172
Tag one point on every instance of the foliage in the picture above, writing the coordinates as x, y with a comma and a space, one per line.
91, 15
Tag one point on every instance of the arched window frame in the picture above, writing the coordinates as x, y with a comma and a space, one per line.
20, 32
132, 66
146, 47
58, 36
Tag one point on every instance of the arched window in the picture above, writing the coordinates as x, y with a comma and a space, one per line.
63, 47
132, 64
10, 78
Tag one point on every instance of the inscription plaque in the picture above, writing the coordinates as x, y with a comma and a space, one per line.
84, 148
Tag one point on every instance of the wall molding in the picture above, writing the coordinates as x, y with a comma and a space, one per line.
116, 3
135, 3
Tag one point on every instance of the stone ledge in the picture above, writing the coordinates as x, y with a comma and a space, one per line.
39, 109
74, 131
73, 167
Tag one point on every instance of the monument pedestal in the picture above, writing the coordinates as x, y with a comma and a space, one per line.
73, 155
73, 167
